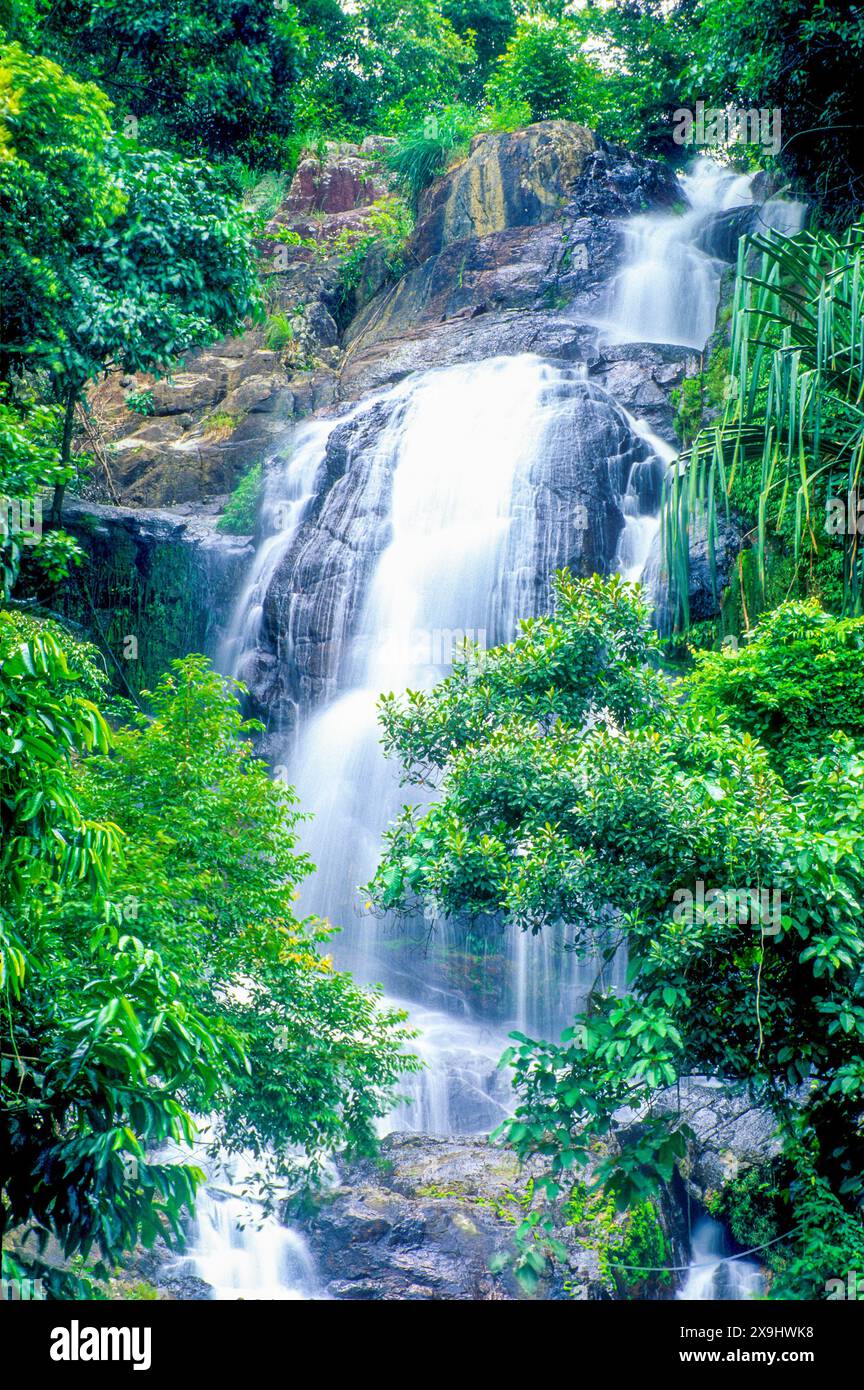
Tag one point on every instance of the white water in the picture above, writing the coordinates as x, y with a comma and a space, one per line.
667, 291
288, 489
242, 1254
713, 1273
459, 559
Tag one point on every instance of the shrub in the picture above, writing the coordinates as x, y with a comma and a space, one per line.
241, 511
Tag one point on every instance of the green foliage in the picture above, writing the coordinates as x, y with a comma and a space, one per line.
278, 331
173, 272
157, 971
687, 400
265, 195
55, 190
30, 462
140, 402
425, 150
490, 23
408, 60
210, 76
544, 68
623, 1241
241, 511
374, 256
792, 436
791, 55
97, 1047
575, 785
752, 1206
111, 256
796, 681
803, 59
210, 877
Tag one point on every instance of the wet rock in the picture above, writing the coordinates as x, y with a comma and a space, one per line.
722, 233
729, 1133
509, 180
614, 183
155, 584
423, 1223
565, 512
707, 585
641, 377
513, 251
464, 338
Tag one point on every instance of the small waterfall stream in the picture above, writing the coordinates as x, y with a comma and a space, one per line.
715, 1273
458, 465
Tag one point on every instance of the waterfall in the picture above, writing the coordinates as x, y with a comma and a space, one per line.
667, 290
242, 1254
714, 1272
430, 513
288, 489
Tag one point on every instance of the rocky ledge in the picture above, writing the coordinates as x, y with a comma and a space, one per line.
426, 1220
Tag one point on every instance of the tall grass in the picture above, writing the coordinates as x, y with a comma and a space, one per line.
794, 420
425, 151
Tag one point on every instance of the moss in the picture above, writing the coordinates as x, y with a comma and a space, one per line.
221, 424
241, 512
632, 1238
717, 377
142, 601
688, 399
751, 1207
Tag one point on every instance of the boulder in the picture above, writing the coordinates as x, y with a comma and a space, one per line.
516, 179
424, 1222
340, 180
729, 1133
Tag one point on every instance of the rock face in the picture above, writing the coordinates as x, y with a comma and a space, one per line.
565, 511
512, 251
345, 179
729, 1134
424, 1222
155, 584
511, 180
227, 406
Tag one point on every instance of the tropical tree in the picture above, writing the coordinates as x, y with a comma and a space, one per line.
157, 972
210, 77
544, 67
173, 271
576, 790
96, 1045
137, 259
211, 876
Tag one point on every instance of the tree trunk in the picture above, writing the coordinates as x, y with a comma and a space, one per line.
65, 453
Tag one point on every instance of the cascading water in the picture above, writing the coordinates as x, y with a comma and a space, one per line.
715, 1273
288, 490
239, 1249
667, 290
445, 505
